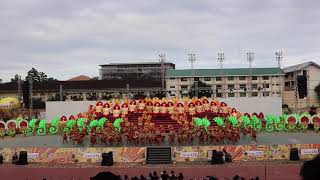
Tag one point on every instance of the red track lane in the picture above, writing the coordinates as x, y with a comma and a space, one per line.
273, 172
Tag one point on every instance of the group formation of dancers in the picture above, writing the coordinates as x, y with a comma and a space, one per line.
145, 132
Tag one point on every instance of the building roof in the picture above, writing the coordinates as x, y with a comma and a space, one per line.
80, 78
226, 72
84, 85
300, 66
134, 63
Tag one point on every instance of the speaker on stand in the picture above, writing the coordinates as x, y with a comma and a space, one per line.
217, 157
294, 154
107, 159
23, 158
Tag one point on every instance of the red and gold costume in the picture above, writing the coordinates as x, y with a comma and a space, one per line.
106, 109
180, 108
206, 105
141, 105
132, 106
224, 108
156, 108
116, 111
163, 108
171, 109
192, 110
149, 106
199, 107
124, 109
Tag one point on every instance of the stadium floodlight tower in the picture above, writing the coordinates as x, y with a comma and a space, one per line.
279, 59
162, 60
221, 60
250, 58
192, 60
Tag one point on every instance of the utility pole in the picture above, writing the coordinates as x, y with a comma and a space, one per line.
279, 59
162, 59
192, 59
20, 91
30, 96
61, 93
221, 60
250, 58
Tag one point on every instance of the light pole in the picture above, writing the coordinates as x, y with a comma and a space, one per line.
192, 59
162, 59
250, 58
279, 59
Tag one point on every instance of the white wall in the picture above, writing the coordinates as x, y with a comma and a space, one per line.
267, 105
66, 108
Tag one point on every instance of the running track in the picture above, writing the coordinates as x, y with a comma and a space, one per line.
264, 171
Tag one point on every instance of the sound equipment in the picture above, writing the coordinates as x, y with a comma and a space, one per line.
294, 154
217, 157
228, 157
1, 159
302, 86
23, 158
15, 158
107, 159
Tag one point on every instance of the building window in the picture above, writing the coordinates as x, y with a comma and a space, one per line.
254, 78
266, 94
184, 87
254, 86
243, 94
172, 95
231, 86
196, 79
266, 86
230, 94
172, 87
230, 78
254, 94
219, 94
242, 78
207, 79
184, 79
218, 87
172, 78
243, 86
218, 78
265, 77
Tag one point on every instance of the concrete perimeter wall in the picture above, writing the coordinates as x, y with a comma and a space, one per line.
267, 105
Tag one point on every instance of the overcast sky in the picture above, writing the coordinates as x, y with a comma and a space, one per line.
72, 37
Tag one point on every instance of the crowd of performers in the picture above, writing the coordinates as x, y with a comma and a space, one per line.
146, 132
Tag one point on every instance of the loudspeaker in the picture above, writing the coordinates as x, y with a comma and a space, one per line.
107, 159
23, 158
294, 154
1, 159
228, 157
302, 86
217, 157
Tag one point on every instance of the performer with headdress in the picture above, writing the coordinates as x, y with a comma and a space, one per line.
116, 111
106, 110
206, 105
192, 110
199, 107
224, 109
63, 118
215, 108
171, 108
180, 108
141, 105
98, 109
132, 106
124, 109
163, 108
156, 108
149, 106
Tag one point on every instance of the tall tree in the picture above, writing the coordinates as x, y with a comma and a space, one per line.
15, 78
38, 76
34, 74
